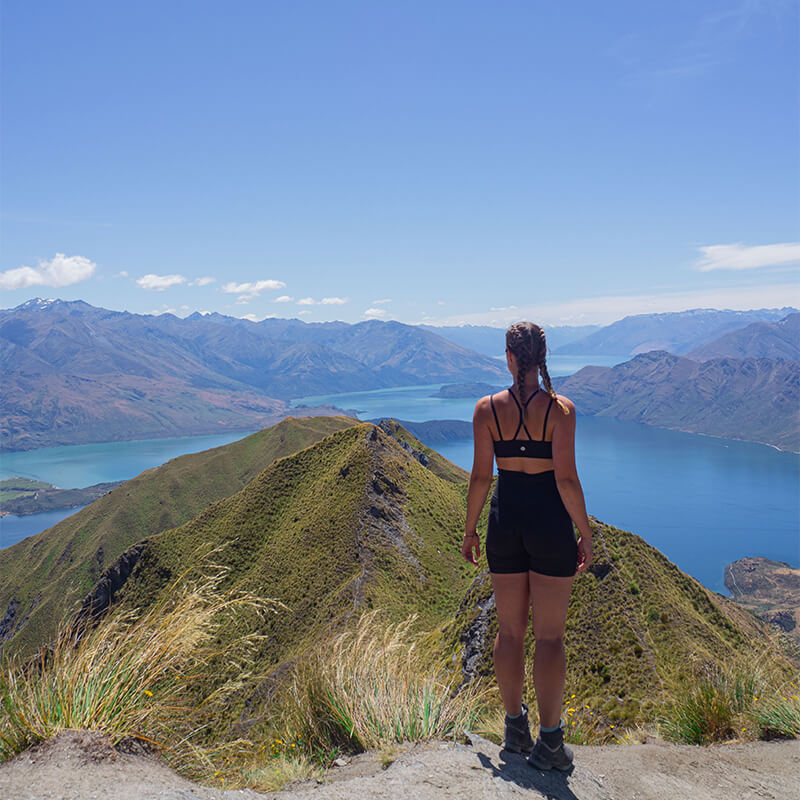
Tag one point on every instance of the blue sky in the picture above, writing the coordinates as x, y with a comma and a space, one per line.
436, 161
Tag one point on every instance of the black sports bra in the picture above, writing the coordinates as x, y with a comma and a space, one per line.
522, 448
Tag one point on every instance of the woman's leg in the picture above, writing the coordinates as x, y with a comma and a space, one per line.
549, 600
513, 604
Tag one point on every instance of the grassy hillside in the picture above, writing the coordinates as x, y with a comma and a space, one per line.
637, 628
352, 523
48, 575
366, 517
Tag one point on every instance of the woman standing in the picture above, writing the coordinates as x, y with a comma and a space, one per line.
530, 541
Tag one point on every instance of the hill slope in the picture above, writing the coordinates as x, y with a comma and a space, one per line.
776, 340
366, 517
635, 622
46, 575
755, 400
353, 522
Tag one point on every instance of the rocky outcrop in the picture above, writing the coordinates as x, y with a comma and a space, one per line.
770, 589
100, 599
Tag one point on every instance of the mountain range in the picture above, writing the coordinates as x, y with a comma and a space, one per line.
777, 340
74, 373
676, 332
491, 341
333, 517
753, 399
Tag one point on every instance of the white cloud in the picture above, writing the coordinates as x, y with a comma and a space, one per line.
739, 256
609, 308
303, 313
123, 273
253, 288
164, 310
382, 302
158, 283
375, 313
61, 270
202, 281
244, 299
284, 298
326, 301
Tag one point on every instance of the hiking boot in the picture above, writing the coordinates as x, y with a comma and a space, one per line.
518, 737
550, 750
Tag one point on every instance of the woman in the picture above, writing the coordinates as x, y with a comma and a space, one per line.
530, 542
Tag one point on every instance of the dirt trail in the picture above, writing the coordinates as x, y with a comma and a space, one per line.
80, 765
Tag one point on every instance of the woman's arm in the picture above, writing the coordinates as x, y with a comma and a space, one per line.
480, 479
569, 487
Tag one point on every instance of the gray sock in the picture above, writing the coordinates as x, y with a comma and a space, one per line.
514, 716
549, 730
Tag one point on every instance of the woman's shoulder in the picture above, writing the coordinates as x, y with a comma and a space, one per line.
484, 405
564, 404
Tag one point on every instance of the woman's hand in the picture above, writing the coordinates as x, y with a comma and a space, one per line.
471, 542
584, 554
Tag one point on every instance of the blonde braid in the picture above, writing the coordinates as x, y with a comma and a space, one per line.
519, 341
548, 386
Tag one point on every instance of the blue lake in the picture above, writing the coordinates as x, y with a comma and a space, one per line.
76, 466
703, 502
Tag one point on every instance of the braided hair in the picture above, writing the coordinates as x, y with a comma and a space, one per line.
528, 344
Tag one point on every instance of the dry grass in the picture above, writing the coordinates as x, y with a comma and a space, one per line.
137, 675
371, 686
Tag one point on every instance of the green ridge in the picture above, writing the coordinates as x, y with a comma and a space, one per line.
332, 517
352, 523
46, 576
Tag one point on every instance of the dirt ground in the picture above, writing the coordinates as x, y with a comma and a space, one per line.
82, 765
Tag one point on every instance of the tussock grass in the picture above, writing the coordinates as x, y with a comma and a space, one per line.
778, 713
727, 701
371, 686
140, 676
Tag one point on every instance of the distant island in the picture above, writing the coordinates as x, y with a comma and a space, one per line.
25, 496
466, 390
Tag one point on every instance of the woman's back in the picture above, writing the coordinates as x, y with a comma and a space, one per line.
522, 431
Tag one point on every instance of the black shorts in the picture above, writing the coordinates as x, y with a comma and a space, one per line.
529, 528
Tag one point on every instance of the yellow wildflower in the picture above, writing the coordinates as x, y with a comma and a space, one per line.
148, 692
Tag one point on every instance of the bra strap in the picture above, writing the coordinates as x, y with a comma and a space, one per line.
544, 427
496, 421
